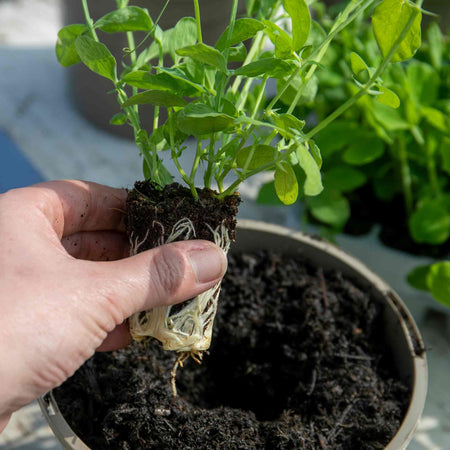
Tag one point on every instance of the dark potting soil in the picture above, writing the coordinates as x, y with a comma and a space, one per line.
297, 362
153, 212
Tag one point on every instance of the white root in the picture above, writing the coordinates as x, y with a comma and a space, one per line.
189, 330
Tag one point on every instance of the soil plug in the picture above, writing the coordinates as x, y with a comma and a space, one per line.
153, 219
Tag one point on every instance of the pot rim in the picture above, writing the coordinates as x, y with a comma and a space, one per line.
70, 440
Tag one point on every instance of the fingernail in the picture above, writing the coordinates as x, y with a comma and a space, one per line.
209, 263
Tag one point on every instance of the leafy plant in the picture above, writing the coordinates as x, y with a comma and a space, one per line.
393, 144
237, 131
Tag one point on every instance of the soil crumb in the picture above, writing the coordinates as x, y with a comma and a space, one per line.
297, 362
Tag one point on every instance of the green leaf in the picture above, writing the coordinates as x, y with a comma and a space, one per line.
243, 29
198, 119
388, 97
272, 67
288, 124
229, 108
204, 54
330, 207
357, 64
130, 18
417, 278
388, 21
444, 150
364, 149
146, 170
308, 94
184, 33
436, 119
344, 178
118, 119
386, 183
430, 222
435, 44
158, 140
65, 45
438, 280
280, 39
336, 136
313, 181
423, 83
301, 21
96, 56
161, 175
237, 53
262, 154
391, 119
316, 153
286, 185
267, 195
186, 86
147, 80
155, 97
170, 131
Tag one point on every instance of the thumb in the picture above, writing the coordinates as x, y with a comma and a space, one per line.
165, 275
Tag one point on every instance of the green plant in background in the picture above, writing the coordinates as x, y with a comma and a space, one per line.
234, 131
395, 143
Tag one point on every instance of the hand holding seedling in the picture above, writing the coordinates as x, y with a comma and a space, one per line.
218, 98
66, 287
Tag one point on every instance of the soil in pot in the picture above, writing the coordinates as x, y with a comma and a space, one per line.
298, 360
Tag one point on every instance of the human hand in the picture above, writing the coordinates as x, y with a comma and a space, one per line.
66, 285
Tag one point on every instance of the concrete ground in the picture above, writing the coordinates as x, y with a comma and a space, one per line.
43, 137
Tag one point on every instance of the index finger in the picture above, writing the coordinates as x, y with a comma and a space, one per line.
72, 206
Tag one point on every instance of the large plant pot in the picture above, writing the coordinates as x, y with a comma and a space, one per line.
399, 327
89, 91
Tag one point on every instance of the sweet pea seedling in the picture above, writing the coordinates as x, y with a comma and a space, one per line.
238, 131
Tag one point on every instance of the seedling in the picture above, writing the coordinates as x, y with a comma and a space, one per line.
225, 114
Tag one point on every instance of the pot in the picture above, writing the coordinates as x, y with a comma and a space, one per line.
399, 326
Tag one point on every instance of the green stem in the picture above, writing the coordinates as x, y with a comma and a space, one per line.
131, 44
175, 158
198, 21
260, 97
250, 6
156, 109
198, 154
89, 21
208, 176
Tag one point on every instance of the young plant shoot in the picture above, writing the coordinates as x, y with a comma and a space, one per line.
217, 106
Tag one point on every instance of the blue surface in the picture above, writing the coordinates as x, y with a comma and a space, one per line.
15, 169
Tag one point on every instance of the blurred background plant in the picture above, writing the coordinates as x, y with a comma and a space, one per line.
386, 160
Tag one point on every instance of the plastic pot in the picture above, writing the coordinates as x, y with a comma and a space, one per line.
399, 327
